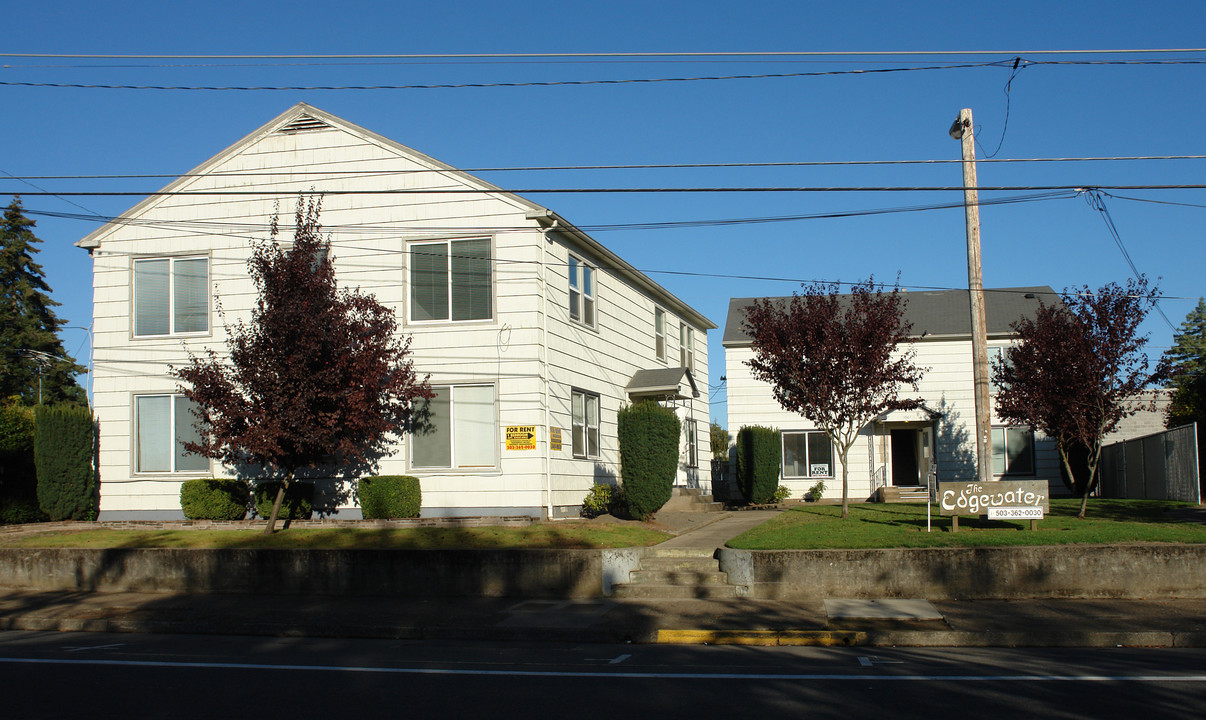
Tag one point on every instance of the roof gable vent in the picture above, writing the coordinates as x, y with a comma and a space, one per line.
304, 124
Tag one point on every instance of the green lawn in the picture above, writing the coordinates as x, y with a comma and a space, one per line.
903, 525
555, 535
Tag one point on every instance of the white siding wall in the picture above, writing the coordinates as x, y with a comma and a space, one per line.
369, 235
946, 388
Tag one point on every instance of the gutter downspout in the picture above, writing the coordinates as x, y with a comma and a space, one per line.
544, 350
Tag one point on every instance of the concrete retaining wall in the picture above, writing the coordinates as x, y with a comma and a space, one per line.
1069, 571
430, 573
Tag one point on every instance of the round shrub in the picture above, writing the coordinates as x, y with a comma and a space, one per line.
648, 435
598, 501
390, 496
215, 499
298, 503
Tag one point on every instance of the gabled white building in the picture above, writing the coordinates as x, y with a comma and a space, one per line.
522, 320
902, 448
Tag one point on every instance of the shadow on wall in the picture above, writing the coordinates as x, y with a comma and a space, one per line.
956, 448
604, 475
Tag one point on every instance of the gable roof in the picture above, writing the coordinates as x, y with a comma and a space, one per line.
936, 314
303, 118
663, 381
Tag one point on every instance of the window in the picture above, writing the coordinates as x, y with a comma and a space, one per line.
1012, 451
686, 346
162, 424
456, 429
451, 280
659, 332
690, 428
807, 454
996, 356
586, 424
581, 292
171, 296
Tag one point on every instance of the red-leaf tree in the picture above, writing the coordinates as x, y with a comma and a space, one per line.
1077, 369
318, 373
835, 359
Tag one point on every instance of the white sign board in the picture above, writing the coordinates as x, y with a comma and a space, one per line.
1015, 513
819, 470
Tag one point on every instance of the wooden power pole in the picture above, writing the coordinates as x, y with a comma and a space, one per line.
962, 130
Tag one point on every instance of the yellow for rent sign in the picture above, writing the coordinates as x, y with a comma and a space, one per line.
521, 437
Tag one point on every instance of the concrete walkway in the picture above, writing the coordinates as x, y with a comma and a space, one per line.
718, 532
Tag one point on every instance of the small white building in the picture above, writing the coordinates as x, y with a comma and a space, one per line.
523, 321
903, 448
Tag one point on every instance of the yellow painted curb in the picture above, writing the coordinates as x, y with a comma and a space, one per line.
823, 638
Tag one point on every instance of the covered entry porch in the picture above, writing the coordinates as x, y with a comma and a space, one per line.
902, 455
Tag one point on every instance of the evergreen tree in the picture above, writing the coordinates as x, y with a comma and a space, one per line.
1187, 357
29, 344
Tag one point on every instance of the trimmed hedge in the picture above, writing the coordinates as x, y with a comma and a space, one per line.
64, 442
648, 435
18, 479
390, 496
215, 499
298, 503
759, 457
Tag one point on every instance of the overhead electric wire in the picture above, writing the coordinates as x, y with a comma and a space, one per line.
651, 55
647, 166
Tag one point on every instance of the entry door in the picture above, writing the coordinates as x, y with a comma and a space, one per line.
906, 466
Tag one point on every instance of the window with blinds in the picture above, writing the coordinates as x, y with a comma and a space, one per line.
162, 425
451, 280
171, 296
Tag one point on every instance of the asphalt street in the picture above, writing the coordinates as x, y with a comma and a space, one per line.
100, 675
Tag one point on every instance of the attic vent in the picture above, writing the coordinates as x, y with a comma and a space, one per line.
304, 124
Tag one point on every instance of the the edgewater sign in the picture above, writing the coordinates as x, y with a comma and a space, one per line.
977, 498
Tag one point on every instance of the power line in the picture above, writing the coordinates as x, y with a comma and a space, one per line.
664, 190
652, 55
648, 166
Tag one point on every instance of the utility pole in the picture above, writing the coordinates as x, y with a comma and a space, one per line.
962, 130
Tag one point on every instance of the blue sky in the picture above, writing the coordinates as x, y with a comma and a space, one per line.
1066, 111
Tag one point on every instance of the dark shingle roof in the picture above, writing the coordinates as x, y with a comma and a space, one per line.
936, 313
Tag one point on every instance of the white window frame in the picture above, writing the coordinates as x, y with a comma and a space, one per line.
171, 296
583, 302
997, 354
686, 346
659, 333
691, 427
448, 244
173, 432
808, 451
587, 427
451, 388
1004, 429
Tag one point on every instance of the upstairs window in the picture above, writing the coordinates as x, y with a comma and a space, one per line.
686, 347
581, 292
171, 296
659, 332
451, 280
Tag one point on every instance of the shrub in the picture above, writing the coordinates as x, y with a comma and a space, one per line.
781, 493
719, 440
815, 492
18, 479
64, 441
759, 452
298, 503
598, 501
215, 499
648, 435
389, 496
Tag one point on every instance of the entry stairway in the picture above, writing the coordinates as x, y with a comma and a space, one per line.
677, 573
685, 499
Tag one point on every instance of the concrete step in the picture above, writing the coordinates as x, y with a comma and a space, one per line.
680, 552
679, 564
690, 500
674, 592
679, 577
